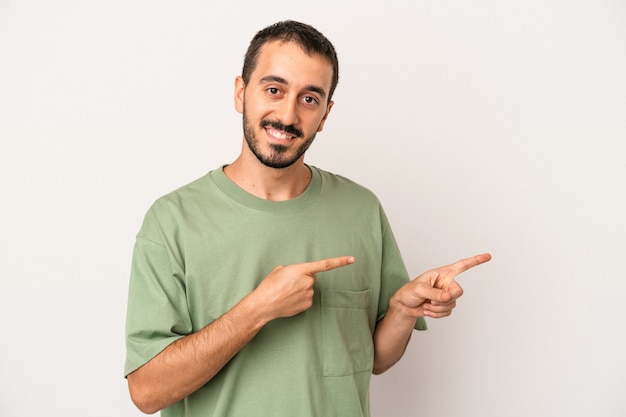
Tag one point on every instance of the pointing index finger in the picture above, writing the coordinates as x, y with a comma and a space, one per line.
327, 264
467, 263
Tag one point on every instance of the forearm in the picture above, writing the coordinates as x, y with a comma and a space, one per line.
190, 362
391, 337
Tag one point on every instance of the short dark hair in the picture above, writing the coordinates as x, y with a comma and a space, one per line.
307, 37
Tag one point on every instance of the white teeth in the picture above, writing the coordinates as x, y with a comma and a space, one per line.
278, 134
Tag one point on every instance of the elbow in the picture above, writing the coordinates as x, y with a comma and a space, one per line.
377, 371
141, 397
383, 364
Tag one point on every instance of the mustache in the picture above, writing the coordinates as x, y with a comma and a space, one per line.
279, 126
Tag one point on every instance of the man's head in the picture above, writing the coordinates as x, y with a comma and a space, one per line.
284, 94
307, 37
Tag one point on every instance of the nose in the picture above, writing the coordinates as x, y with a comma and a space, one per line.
288, 112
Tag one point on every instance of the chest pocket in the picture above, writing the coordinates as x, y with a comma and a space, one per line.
347, 343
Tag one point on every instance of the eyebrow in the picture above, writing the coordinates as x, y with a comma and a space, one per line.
281, 80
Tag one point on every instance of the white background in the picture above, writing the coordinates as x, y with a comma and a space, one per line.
482, 126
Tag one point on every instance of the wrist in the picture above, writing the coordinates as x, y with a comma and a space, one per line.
253, 311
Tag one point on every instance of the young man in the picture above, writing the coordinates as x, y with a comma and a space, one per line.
217, 325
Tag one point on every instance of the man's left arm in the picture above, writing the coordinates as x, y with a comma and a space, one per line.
432, 294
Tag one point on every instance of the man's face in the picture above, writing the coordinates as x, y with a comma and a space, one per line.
284, 104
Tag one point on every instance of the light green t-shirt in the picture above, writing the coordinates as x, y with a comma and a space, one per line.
205, 246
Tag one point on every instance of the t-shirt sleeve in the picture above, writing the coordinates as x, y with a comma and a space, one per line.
394, 273
157, 313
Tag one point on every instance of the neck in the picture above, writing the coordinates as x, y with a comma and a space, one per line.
276, 184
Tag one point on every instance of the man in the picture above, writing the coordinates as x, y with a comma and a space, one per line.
217, 324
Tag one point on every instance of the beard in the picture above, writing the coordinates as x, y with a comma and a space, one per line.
279, 156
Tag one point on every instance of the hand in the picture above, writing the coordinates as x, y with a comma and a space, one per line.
434, 293
288, 290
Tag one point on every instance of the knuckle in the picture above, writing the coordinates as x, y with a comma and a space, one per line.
327, 265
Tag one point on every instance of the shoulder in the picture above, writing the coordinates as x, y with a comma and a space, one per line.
185, 195
180, 203
345, 187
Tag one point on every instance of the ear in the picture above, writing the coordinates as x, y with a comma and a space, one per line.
240, 87
330, 106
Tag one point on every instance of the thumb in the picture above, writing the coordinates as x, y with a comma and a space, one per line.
434, 294
443, 297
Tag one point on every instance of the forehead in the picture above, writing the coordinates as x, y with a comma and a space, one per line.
289, 61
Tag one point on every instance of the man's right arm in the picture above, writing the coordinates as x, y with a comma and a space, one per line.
190, 362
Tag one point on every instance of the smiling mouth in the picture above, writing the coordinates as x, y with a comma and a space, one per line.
279, 131
278, 134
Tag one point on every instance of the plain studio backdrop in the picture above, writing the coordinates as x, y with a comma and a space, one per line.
482, 126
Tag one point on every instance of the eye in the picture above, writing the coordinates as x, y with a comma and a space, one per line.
273, 91
310, 100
